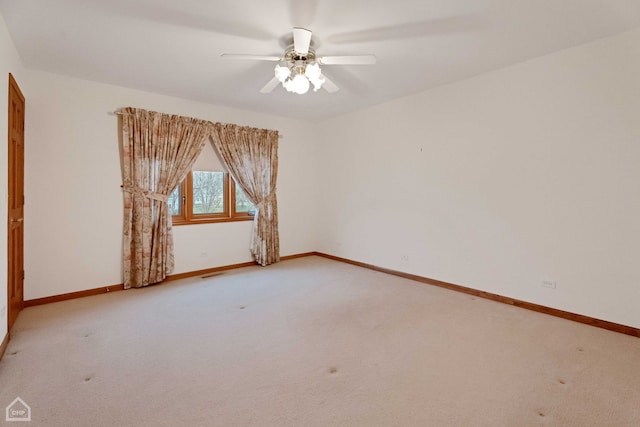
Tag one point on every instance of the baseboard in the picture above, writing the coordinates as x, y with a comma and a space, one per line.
3, 346
302, 255
207, 271
616, 327
120, 286
74, 295
214, 270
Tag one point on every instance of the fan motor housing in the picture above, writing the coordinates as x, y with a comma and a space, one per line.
291, 56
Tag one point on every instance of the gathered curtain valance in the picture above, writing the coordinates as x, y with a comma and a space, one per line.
158, 151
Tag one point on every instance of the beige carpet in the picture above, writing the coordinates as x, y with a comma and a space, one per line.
313, 342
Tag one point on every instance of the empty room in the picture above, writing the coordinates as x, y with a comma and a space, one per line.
320, 213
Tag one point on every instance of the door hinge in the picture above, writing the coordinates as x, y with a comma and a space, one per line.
23, 200
22, 274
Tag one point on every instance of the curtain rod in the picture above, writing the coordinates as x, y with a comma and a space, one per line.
122, 113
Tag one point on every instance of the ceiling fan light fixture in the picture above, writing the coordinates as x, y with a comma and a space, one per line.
317, 82
300, 84
299, 67
314, 74
282, 72
312, 70
299, 76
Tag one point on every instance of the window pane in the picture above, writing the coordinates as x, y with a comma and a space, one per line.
242, 203
208, 192
174, 202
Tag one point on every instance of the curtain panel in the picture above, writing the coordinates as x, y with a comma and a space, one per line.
251, 155
158, 151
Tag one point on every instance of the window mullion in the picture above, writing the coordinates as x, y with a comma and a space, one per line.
183, 200
189, 197
232, 198
227, 196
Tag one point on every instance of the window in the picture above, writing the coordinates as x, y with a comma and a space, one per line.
209, 194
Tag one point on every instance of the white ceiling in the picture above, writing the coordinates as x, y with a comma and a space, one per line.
174, 47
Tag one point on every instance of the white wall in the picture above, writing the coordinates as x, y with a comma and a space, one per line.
527, 173
9, 63
496, 182
73, 214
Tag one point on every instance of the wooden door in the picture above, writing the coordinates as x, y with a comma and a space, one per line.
15, 256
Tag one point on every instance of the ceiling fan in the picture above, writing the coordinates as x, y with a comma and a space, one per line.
299, 67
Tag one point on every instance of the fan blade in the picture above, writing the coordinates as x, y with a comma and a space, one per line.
270, 86
247, 56
329, 86
301, 40
348, 60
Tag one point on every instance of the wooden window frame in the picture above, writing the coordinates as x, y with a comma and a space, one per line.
187, 217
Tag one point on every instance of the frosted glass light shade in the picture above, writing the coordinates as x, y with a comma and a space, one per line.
300, 84
282, 73
312, 71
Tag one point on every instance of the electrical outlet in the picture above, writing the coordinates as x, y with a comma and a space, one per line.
551, 284
3, 312
203, 254
404, 258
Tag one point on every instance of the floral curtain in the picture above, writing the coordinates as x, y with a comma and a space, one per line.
252, 158
158, 151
